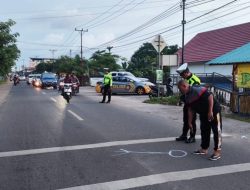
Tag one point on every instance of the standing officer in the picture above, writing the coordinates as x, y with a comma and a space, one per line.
192, 79
107, 81
200, 101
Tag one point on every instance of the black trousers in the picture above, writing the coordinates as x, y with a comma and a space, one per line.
107, 90
206, 126
185, 123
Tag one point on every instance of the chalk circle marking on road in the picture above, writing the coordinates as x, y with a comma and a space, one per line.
177, 153
171, 153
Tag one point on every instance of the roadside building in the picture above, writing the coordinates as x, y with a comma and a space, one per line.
239, 60
209, 45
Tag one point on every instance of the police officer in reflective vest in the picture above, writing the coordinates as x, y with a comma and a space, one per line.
192, 79
107, 82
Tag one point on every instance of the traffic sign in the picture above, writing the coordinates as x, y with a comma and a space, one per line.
159, 76
159, 43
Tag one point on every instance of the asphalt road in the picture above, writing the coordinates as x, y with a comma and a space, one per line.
46, 143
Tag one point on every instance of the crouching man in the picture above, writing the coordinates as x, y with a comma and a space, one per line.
199, 100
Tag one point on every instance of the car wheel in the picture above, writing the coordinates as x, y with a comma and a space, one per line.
140, 91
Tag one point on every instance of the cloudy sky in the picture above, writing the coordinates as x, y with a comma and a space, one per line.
48, 26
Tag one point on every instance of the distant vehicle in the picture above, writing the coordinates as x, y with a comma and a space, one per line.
29, 78
48, 80
22, 78
125, 85
75, 85
36, 80
67, 91
125, 73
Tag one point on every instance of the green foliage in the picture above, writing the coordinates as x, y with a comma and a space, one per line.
144, 62
8, 48
100, 60
170, 100
94, 66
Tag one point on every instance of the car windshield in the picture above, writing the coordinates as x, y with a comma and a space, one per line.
48, 76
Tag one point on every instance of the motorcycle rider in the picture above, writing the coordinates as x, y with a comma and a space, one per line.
15, 79
75, 81
67, 79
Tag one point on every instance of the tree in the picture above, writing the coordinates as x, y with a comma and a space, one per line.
102, 59
8, 48
143, 62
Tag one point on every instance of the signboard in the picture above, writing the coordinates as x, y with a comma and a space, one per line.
159, 76
169, 60
243, 76
159, 43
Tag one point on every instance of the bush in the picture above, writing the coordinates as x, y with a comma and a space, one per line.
170, 100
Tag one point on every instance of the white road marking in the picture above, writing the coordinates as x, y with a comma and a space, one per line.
87, 146
164, 178
172, 153
75, 115
43, 92
53, 99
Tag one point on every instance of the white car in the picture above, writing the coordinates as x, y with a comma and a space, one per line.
125, 73
31, 77
22, 77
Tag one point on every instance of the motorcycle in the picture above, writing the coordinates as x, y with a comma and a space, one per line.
67, 91
16, 81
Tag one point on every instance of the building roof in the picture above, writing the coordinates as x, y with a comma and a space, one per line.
239, 55
209, 45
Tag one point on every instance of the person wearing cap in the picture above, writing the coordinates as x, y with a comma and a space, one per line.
191, 79
107, 81
199, 100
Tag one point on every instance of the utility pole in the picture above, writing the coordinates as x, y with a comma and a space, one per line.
53, 57
82, 31
183, 30
53, 53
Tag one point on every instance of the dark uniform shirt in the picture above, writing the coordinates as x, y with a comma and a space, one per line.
197, 99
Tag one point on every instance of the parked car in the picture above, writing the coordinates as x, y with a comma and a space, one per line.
48, 80
125, 73
125, 85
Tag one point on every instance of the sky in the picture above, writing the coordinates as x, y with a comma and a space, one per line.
47, 28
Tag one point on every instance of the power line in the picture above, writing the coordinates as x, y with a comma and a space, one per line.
107, 17
169, 12
176, 26
103, 13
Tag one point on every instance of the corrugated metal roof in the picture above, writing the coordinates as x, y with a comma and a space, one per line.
209, 45
239, 55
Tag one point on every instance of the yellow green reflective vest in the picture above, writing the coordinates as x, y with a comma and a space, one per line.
107, 79
194, 80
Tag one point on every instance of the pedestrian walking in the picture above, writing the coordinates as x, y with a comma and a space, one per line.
192, 79
199, 100
107, 82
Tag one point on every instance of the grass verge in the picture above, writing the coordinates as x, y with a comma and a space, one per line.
170, 100
240, 117
2, 82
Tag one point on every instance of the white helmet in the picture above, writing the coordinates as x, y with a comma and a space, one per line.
182, 68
